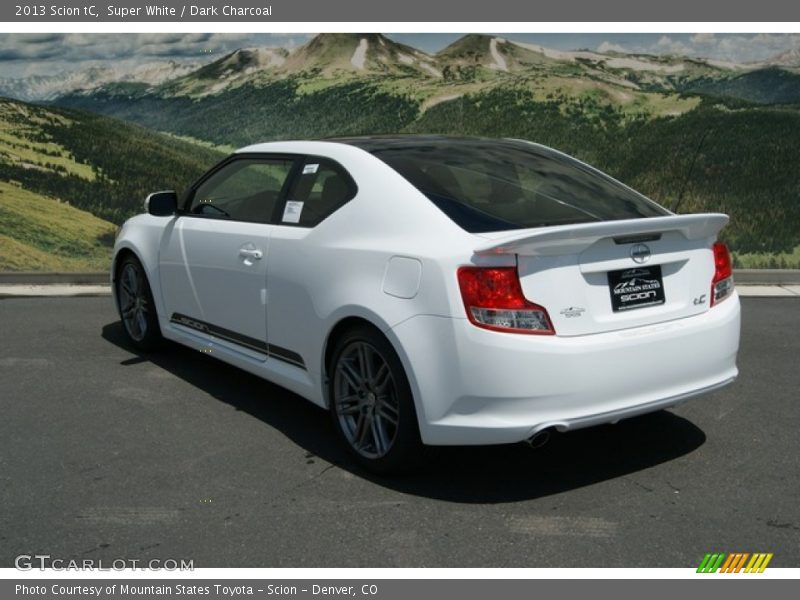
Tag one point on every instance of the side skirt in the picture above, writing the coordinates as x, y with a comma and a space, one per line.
259, 346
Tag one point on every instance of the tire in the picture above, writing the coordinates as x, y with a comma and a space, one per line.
135, 305
371, 404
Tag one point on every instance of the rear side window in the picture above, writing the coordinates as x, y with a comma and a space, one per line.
494, 186
320, 188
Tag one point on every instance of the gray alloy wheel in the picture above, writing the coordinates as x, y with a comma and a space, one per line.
365, 399
371, 403
135, 304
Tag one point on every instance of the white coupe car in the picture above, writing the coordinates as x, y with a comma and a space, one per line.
435, 291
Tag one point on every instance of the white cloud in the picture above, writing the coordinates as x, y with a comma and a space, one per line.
703, 39
27, 54
306, 36
609, 47
667, 45
741, 48
755, 47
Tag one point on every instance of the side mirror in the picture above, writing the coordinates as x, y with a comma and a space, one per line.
162, 204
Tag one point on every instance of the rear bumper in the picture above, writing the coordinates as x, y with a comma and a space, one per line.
474, 386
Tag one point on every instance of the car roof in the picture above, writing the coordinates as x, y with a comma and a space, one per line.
375, 144
378, 143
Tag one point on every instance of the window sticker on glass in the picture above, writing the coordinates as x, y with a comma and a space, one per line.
292, 211
310, 169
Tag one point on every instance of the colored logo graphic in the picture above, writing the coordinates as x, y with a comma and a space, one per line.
735, 563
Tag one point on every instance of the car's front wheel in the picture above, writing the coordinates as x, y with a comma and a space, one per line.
371, 403
135, 304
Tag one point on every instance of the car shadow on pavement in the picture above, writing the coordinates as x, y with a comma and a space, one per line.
488, 474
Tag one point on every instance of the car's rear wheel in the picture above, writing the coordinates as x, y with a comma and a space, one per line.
135, 304
371, 402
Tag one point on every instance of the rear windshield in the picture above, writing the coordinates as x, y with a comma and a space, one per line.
494, 186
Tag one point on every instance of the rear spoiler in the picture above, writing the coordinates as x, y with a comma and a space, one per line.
571, 239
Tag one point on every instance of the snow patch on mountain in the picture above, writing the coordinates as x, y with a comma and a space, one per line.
360, 55
499, 61
430, 69
615, 62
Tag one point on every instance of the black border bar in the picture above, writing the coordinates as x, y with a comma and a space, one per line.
438, 11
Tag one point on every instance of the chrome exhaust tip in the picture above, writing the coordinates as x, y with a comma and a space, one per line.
538, 439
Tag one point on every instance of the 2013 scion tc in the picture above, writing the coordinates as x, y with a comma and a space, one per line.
433, 290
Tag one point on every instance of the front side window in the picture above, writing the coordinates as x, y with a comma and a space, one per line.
244, 190
494, 186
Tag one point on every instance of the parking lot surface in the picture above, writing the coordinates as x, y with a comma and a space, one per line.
107, 454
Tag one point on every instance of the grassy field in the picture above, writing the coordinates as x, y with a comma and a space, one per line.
43, 234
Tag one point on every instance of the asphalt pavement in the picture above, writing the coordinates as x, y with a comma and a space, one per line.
107, 454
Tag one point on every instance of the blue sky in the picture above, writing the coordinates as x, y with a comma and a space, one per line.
45, 54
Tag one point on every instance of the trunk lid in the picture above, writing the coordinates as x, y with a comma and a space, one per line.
614, 275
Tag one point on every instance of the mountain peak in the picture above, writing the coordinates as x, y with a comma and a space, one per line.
490, 52
338, 38
470, 45
789, 58
244, 61
330, 53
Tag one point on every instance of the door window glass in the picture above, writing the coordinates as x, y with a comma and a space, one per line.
244, 190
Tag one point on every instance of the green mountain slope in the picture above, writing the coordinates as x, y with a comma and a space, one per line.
66, 177
745, 166
38, 233
95, 163
644, 119
249, 114
765, 86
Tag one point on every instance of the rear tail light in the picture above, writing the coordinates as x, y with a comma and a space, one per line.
493, 300
722, 284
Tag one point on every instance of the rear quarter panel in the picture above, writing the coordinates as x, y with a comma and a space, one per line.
318, 277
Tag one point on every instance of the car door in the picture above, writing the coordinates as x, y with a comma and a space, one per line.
213, 261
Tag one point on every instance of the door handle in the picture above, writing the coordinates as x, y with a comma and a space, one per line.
248, 253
